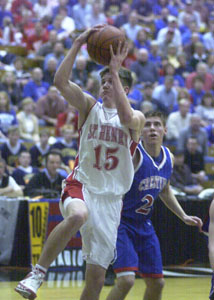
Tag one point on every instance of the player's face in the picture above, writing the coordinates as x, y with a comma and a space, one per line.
153, 131
53, 163
106, 88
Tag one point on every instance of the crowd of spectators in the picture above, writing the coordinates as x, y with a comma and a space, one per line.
171, 56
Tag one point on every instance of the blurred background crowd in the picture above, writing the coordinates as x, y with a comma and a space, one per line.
171, 56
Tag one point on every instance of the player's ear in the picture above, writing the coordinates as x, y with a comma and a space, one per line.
126, 89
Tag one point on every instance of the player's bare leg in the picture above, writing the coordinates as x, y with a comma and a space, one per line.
122, 287
94, 281
56, 242
62, 233
154, 287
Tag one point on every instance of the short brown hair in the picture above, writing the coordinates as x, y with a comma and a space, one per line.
124, 74
156, 113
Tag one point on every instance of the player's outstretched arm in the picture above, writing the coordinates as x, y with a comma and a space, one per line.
131, 118
211, 235
172, 203
70, 91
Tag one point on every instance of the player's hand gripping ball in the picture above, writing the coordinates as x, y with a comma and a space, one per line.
98, 43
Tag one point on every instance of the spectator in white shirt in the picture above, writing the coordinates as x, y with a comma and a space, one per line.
131, 28
170, 34
178, 120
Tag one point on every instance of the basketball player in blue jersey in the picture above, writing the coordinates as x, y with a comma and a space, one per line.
138, 247
208, 229
91, 200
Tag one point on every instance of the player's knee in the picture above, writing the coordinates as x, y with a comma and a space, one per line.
156, 283
77, 217
125, 283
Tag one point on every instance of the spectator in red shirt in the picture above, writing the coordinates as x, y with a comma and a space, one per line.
68, 117
201, 71
38, 38
17, 8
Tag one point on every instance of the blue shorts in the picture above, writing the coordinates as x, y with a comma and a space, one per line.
138, 250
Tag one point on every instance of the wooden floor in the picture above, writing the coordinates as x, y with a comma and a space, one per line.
175, 289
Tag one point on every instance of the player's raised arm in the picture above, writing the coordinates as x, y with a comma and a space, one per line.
71, 91
131, 118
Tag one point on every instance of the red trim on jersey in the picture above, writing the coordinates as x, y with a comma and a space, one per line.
150, 275
125, 269
72, 189
133, 147
128, 269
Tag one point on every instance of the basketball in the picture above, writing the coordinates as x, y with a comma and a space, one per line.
98, 43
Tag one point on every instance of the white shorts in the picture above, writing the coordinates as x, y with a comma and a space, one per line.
99, 233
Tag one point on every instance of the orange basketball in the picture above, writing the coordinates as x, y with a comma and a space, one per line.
98, 44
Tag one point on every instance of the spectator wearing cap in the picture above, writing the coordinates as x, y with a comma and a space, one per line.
170, 34
189, 10
144, 69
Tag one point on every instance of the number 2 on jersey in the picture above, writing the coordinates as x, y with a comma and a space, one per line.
145, 209
111, 161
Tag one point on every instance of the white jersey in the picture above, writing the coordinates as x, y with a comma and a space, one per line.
104, 161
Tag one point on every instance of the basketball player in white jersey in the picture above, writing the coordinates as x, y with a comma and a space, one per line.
92, 197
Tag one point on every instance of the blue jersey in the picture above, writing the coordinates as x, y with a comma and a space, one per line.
149, 180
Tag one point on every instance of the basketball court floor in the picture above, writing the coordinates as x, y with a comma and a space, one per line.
182, 285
